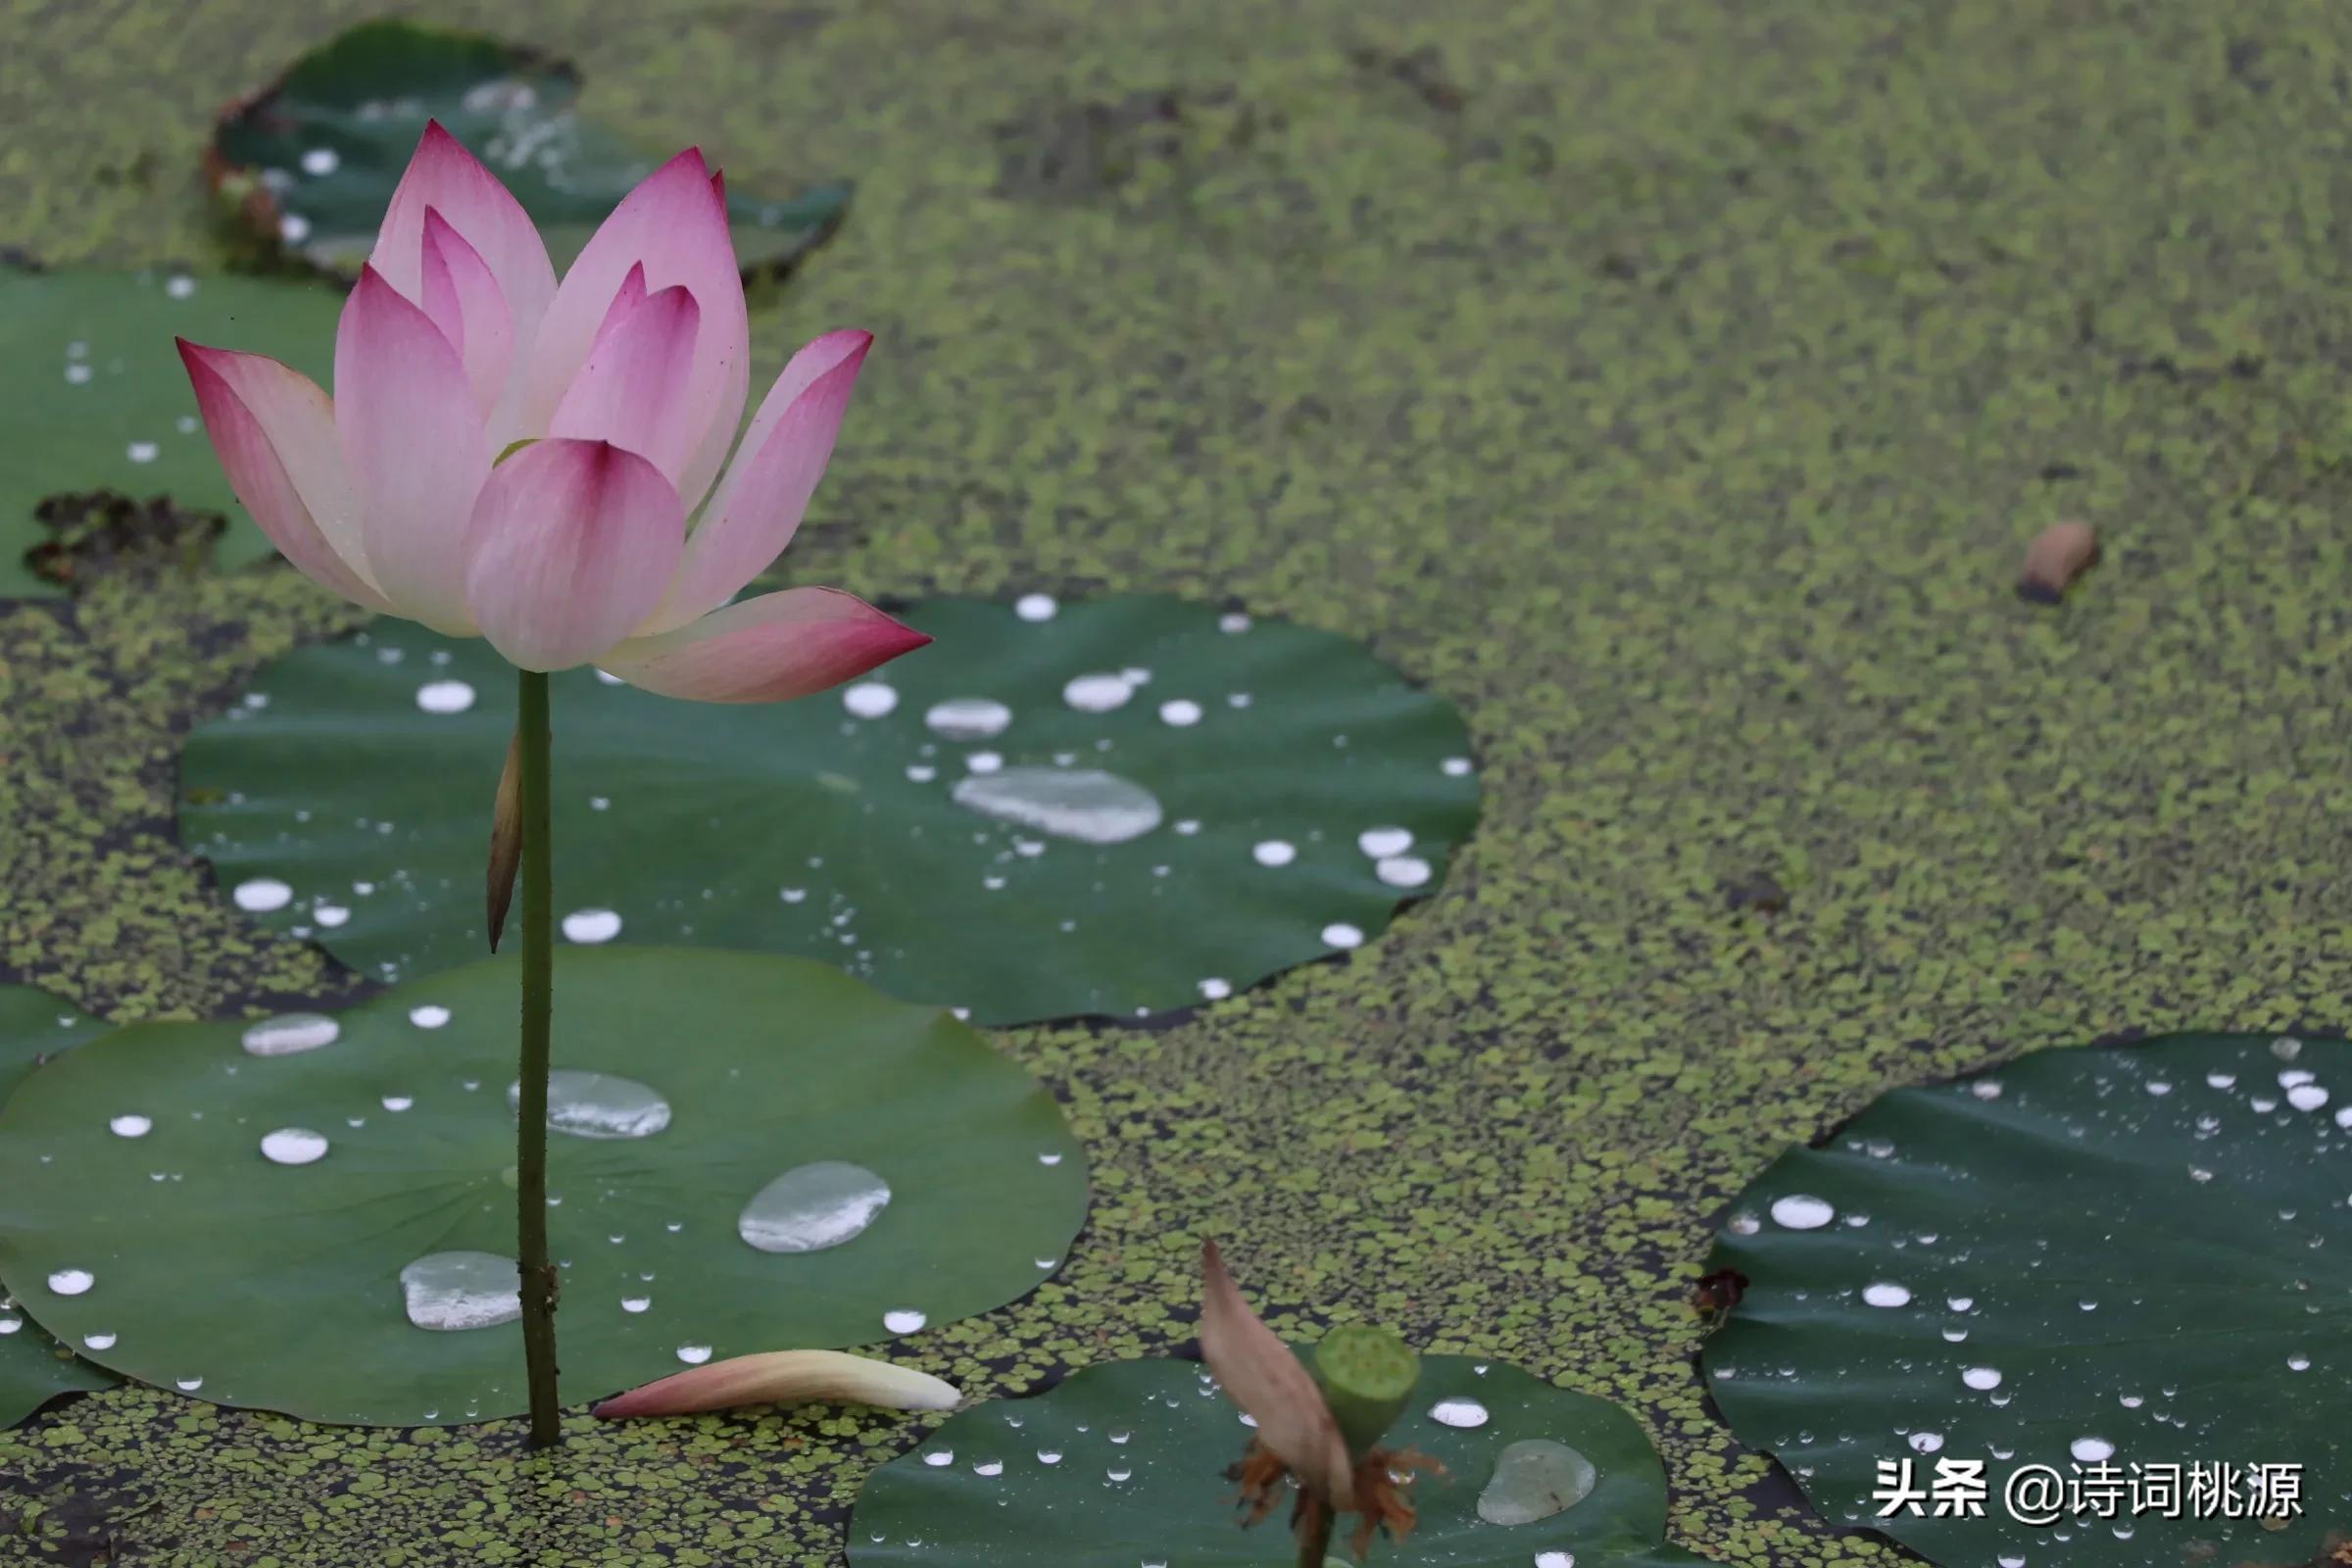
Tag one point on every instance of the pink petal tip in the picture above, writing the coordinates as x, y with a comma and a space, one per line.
768, 650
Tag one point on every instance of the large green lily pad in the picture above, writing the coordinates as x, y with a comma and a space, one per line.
1125, 1463
312, 160
259, 1241
97, 397
33, 1367
1213, 827
2124, 1257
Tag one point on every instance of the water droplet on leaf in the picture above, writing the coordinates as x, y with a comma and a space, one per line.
814, 1206
870, 699
461, 1290
1534, 1479
598, 1105
1084, 804
1097, 693
591, 926
291, 1034
968, 718
293, 1146
1403, 870
445, 697
262, 895
1801, 1212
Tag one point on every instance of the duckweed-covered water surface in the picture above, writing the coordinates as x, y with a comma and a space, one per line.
1669, 395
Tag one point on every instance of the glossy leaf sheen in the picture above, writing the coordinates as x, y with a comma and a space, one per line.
804, 828
1175, 1505
97, 396
280, 1285
33, 1367
2141, 1255
324, 146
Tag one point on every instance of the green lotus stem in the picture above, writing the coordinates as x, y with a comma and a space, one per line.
1367, 1376
538, 1272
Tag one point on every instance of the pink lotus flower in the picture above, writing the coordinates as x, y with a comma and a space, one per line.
407, 492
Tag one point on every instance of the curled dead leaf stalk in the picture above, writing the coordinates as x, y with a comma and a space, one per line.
1318, 1431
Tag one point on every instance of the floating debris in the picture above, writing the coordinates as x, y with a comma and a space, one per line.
2062, 552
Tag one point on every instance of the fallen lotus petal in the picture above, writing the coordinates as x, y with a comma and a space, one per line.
785, 1376
1273, 1388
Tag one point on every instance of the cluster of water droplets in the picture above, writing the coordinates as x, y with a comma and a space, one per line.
2274, 1120
1024, 806
1091, 805
80, 368
65, 1282
1020, 1445
814, 1206
332, 909
285, 186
